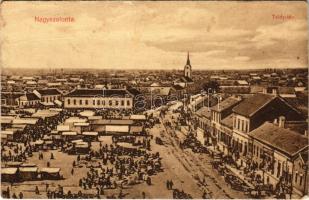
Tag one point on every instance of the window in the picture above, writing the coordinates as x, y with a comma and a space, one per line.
242, 125
69, 101
110, 102
93, 102
80, 102
74, 101
296, 176
257, 151
247, 127
261, 152
238, 124
116, 103
128, 103
86, 102
103, 102
122, 102
300, 180
279, 170
240, 147
245, 148
234, 122
98, 102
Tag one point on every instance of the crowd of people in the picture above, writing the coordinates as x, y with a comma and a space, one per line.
13, 152
119, 166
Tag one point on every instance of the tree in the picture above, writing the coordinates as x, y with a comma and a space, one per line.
211, 86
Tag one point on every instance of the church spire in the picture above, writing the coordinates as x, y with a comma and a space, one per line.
188, 59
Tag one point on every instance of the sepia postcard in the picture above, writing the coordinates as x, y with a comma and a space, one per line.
154, 99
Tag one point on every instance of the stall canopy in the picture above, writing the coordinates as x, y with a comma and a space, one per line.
56, 109
113, 122
47, 103
13, 164
9, 170
126, 145
82, 145
6, 119
94, 117
117, 129
38, 142
90, 133
30, 121
138, 117
136, 129
28, 165
58, 103
6, 132
81, 124
45, 113
19, 126
63, 128
28, 169
76, 141
50, 170
74, 120
69, 133
87, 113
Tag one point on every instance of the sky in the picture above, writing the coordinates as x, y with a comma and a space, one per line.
154, 35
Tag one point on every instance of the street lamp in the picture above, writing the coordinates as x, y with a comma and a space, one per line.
208, 96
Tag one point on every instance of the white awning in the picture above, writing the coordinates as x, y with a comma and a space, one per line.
119, 129
90, 133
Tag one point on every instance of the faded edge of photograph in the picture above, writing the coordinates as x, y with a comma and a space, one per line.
154, 100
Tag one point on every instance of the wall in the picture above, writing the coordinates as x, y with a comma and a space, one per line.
93, 102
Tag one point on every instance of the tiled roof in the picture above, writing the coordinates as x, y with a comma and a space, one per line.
252, 104
98, 92
282, 139
134, 91
32, 97
204, 112
225, 104
186, 79
177, 87
50, 91
228, 121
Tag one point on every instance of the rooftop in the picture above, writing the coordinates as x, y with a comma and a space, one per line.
251, 105
98, 92
225, 104
282, 139
228, 121
49, 91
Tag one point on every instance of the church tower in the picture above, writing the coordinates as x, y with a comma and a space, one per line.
188, 68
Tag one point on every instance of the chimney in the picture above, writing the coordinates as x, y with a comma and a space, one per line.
281, 121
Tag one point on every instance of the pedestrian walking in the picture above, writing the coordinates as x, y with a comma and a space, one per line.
37, 191
21, 195
171, 184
